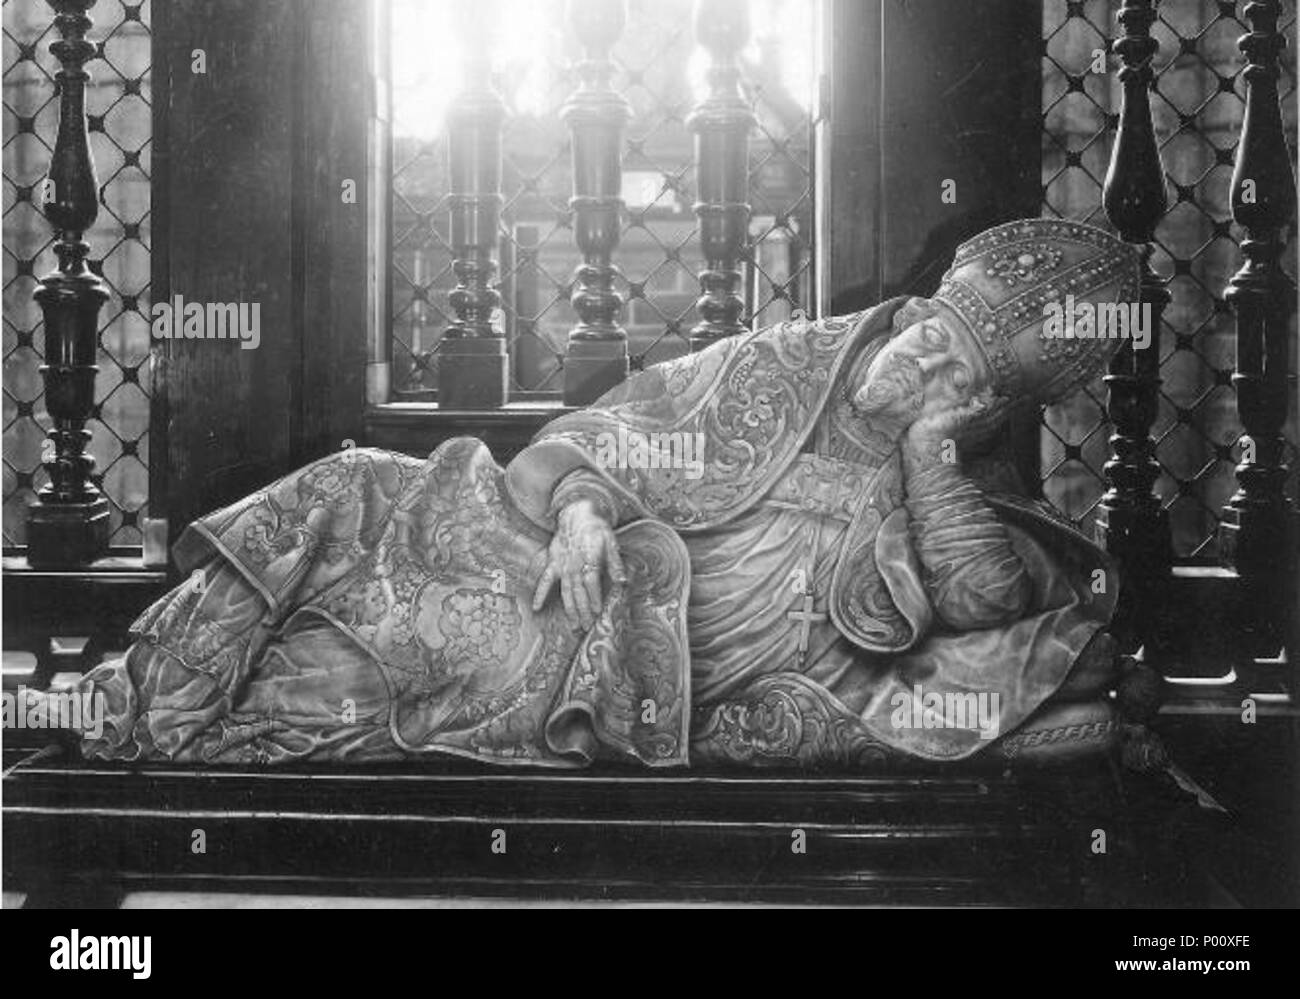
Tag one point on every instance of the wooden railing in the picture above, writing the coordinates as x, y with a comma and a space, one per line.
474, 368
1258, 530
68, 523
596, 355
596, 358
1131, 524
721, 123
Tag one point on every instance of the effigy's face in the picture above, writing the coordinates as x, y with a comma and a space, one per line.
932, 365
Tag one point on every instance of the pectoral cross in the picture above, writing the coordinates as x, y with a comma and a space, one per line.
805, 616
802, 579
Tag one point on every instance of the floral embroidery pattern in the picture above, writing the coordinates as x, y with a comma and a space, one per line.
781, 720
430, 569
481, 627
744, 400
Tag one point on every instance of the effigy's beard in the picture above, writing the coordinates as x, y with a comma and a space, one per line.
893, 393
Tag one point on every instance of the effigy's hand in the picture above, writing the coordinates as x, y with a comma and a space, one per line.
583, 547
932, 435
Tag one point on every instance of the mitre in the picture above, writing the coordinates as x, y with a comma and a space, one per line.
1018, 289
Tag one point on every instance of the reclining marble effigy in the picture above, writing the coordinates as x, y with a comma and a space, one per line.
834, 578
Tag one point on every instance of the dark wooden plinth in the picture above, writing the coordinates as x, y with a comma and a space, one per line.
76, 832
1265, 552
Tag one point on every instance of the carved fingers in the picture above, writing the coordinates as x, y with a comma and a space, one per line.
951, 422
583, 548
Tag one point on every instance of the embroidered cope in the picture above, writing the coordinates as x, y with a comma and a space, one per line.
782, 595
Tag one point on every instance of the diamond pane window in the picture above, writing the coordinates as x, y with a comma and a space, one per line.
1197, 103
120, 126
659, 72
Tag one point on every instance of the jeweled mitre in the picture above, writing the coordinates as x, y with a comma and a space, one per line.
1004, 283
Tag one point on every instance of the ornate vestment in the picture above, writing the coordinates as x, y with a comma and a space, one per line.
799, 509
373, 606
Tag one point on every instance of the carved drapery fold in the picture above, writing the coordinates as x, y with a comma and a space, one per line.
1258, 530
68, 523
721, 123
1131, 523
473, 366
596, 358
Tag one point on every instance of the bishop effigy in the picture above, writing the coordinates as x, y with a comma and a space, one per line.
843, 555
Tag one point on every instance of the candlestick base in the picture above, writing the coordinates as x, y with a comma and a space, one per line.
592, 368
472, 373
62, 535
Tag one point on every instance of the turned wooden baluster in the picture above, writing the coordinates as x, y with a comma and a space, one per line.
472, 366
1131, 524
596, 358
68, 523
721, 123
1258, 530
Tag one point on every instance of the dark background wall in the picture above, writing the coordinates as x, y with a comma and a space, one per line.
926, 91
249, 163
